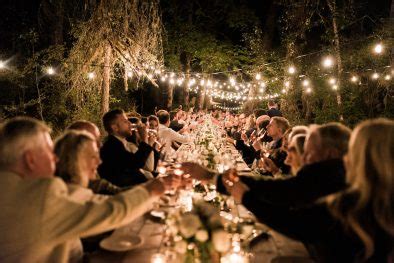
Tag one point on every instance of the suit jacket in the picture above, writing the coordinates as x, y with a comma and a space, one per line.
274, 112
120, 166
311, 182
40, 221
325, 236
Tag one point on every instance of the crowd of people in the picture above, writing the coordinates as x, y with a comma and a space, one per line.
328, 186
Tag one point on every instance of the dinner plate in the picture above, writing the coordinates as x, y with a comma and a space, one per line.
121, 243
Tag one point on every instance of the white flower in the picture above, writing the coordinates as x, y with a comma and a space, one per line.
189, 224
221, 241
181, 247
202, 235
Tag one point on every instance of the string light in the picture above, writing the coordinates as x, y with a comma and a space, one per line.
308, 90
91, 75
305, 83
50, 71
129, 74
378, 49
375, 76
2, 64
335, 87
354, 79
387, 77
291, 70
287, 84
332, 81
328, 62
258, 76
172, 81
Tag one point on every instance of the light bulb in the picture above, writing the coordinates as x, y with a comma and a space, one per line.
308, 90
50, 71
332, 81
258, 76
354, 79
2, 64
387, 77
130, 74
328, 62
378, 49
335, 87
91, 75
305, 83
375, 75
291, 70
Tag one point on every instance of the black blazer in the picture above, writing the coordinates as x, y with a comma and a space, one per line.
311, 182
274, 112
324, 235
120, 166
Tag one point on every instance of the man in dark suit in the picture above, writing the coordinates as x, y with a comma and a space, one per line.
119, 165
273, 109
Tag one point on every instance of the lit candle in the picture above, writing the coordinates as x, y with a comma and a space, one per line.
161, 169
158, 258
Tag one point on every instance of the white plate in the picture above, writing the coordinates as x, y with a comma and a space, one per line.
121, 243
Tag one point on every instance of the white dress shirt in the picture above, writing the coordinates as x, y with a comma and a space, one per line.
167, 136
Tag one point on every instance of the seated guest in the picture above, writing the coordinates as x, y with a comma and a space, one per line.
356, 224
153, 125
167, 135
275, 129
120, 165
77, 163
96, 184
287, 137
40, 220
295, 151
175, 124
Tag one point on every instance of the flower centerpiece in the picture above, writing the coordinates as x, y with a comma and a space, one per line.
199, 234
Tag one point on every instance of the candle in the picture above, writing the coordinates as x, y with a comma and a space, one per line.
158, 258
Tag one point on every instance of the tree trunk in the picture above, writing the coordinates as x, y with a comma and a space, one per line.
51, 20
106, 80
270, 26
337, 48
125, 79
186, 86
170, 96
201, 98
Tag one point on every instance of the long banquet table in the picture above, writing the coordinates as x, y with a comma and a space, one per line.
275, 248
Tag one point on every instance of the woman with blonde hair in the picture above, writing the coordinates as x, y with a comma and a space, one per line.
295, 151
357, 224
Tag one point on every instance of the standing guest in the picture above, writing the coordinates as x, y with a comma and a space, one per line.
96, 184
40, 221
120, 165
167, 135
273, 109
